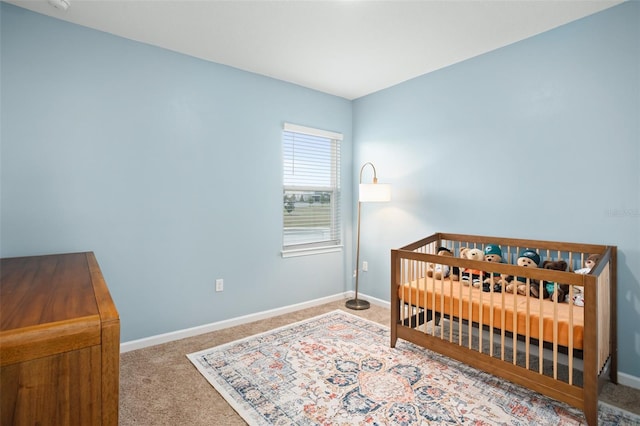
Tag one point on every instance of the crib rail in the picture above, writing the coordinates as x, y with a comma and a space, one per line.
550, 346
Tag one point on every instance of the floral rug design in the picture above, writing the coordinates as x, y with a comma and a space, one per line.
338, 369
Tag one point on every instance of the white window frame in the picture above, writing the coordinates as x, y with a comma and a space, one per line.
333, 242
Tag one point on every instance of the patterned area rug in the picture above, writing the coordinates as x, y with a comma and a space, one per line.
338, 369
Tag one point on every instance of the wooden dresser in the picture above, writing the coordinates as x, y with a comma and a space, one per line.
59, 342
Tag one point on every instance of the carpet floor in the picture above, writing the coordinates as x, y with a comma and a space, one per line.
160, 386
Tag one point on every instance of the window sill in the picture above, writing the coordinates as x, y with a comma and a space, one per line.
310, 251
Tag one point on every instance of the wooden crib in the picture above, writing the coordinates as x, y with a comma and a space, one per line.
554, 347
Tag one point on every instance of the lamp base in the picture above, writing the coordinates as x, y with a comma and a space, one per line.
357, 304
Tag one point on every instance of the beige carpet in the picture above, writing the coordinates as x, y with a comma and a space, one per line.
160, 386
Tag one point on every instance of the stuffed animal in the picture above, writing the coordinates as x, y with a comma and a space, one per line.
440, 271
559, 291
527, 259
493, 253
472, 276
589, 264
578, 296
456, 271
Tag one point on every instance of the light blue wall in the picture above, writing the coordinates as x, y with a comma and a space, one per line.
536, 140
160, 163
166, 166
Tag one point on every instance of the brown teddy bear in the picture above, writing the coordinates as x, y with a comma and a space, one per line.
440, 271
555, 292
527, 259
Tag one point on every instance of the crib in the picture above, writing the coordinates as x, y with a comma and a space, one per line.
552, 346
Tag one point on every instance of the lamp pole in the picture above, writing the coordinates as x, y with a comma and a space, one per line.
356, 303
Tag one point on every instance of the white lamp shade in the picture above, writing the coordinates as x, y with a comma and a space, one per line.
374, 192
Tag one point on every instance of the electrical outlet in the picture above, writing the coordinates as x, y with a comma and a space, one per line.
219, 284
365, 266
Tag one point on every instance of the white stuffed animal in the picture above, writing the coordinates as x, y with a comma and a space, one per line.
439, 271
578, 291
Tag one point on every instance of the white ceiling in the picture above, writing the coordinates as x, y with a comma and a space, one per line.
345, 48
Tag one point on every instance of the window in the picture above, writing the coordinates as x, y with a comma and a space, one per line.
311, 190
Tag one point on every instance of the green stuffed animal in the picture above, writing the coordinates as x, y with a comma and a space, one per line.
493, 253
527, 259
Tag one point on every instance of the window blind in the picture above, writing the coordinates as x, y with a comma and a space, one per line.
311, 190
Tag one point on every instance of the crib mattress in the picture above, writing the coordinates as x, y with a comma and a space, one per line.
452, 298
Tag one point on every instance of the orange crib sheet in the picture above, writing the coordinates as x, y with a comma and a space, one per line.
445, 296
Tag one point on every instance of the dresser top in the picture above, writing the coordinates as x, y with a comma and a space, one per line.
40, 290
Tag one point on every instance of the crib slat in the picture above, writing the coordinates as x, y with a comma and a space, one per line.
571, 310
541, 347
460, 317
432, 311
470, 316
491, 314
555, 334
515, 322
527, 325
442, 304
480, 318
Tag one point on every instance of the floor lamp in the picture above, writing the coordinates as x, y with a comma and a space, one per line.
367, 193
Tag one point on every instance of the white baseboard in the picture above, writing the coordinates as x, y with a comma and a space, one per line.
375, 301
206, 328
629, 380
